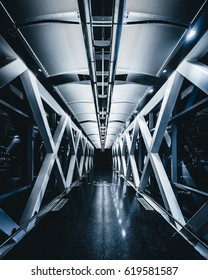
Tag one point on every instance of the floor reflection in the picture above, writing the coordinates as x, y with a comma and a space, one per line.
103, 220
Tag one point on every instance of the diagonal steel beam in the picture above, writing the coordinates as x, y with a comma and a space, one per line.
132, 163
147, 170
11, 69
145, 131
34, 98
196, 72
168, 103
38, 191
199, 219
11, 66
166, 190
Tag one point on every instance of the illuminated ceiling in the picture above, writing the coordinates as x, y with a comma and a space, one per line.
102, 59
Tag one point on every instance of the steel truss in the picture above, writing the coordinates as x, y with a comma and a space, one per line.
79, 160
138, 167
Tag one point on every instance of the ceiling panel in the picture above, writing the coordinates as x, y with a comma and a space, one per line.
111, 137
144, 48
114, 130
176, 9
76, 92
83, 108
84, 112
122, 117
109, 141
55, 49
114, 124
26, 9
122, 107
125, 61
90, 128
127, 92
91, 117
94, 137
95, 141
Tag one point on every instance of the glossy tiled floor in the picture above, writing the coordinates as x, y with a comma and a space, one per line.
103, 220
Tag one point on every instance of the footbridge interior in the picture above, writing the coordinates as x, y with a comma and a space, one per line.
103, 128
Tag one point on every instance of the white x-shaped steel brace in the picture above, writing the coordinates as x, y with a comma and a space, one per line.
168, 95
36, 94
197, 73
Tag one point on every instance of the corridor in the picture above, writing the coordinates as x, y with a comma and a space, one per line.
103, 220
103, 129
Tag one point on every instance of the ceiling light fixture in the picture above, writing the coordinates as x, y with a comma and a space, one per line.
191, 33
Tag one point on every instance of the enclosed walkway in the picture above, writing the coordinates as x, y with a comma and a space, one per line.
103, 220
91, 87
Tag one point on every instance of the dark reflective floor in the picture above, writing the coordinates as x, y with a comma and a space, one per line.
103, 220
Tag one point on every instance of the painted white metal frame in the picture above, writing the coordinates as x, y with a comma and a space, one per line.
78, 167
124, 160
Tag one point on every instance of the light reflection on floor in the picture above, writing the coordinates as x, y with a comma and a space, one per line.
103, 220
